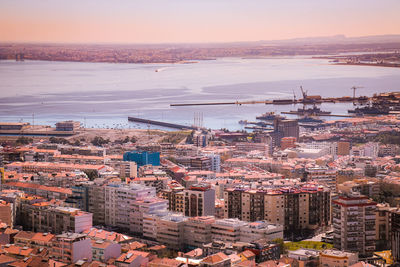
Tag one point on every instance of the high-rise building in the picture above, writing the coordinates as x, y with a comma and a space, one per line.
289, 128
353, 219
120, 200
395, 234
343, 148
175, 197
296, 208
199, 200
143, 157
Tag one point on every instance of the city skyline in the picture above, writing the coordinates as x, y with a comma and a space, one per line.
192, 21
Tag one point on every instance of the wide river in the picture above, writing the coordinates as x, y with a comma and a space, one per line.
105, 94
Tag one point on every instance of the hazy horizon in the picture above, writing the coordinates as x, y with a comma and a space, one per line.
325, 39
177, 21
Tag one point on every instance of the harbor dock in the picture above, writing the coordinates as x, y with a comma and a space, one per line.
161, 123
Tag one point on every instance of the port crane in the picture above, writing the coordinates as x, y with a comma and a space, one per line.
304, 93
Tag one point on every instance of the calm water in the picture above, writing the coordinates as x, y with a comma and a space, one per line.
105, 94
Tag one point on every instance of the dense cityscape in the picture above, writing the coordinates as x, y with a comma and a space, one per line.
290, 196
199, 133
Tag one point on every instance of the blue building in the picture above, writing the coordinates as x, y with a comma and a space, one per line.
143, 157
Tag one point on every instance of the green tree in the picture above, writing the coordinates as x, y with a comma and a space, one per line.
77, 143
23, 140
99, 141
91, 174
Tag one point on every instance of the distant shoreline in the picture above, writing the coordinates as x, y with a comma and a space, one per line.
174, 54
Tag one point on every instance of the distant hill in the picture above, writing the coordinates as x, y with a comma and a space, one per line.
338, 39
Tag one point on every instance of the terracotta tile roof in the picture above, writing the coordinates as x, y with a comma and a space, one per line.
25, 235
16, 250
134, 245
42, 237
165, 262
215, 258
127, 257
6, 259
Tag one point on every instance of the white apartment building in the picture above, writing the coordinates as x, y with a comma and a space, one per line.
140, 207
332, 147
370, 149
260, 230
227, 230
197, 231
170, 230
215, 162
119, 203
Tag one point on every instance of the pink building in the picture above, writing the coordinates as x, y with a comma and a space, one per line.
71, 247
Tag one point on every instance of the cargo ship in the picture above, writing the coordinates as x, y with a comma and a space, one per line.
307, 119
315, 111
268, 116
371, 110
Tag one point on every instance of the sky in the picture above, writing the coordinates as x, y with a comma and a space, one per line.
192, 21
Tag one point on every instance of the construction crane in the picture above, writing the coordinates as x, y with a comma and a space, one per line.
354, 88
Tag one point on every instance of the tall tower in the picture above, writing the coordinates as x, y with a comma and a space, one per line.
353, 219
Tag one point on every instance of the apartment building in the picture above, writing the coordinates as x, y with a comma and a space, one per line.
233, 202
159, 183
7, 214
366, 187
296, 208
170, 229
215, 161
323, 175
227, 230
199, 200
165, 227
382, 226
71, 247
49, 192
104, 250
140, 207
353, 219
260, 230
78, 159
288, 142
45, 217
119, 203
175, 197
52, 167
197, 231
128, 169
96, 202
196, 162
337, 258
252, 205
34, 240
395, 234
343, 148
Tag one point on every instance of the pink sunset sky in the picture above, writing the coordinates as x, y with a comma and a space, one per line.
170, 21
